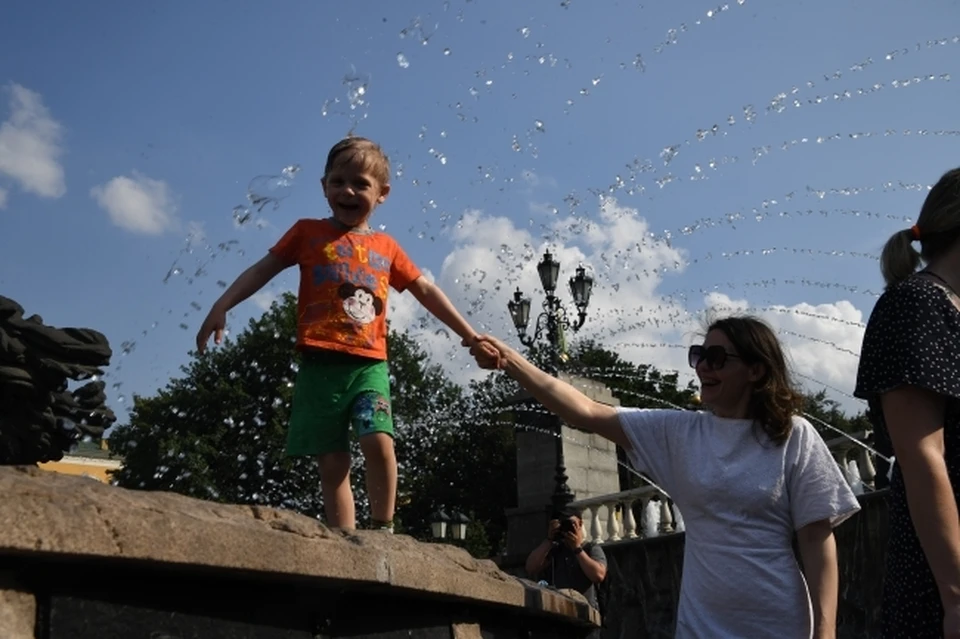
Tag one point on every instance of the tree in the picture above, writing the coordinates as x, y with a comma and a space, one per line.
642, 386
470, 467
824, 409
218, 432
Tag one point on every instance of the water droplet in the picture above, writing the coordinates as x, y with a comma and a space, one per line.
446, 51
524, 31
402, 61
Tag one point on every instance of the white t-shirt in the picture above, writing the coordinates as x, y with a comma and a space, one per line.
741, 501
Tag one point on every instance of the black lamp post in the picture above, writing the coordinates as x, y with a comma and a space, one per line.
551, 323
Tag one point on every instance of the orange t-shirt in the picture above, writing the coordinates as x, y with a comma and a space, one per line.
345, 276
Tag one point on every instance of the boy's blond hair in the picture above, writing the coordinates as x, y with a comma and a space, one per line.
362, 152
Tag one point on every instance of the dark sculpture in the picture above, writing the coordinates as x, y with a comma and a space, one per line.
40, 418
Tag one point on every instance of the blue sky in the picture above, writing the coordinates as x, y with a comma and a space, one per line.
128, 134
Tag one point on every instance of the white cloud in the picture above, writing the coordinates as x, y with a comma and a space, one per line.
627, 314
30, 145
492, 257
138, 203
264, 298
3, 198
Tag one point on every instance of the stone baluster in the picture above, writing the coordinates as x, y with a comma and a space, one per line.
868, 472
596, 528
666, 516
613, 526
629, 521
840, 456
586, 514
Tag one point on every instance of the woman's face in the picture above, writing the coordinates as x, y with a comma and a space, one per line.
726, 381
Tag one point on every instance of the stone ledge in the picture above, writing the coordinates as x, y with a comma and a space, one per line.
46, 515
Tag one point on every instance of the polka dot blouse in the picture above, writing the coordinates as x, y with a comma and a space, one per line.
912, 338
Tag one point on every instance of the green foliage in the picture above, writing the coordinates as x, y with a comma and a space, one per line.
636, 385
469, 465
476, 542
824, 409
218, 432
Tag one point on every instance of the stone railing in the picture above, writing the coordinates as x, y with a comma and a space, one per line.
646, 512
857, 463
631, 514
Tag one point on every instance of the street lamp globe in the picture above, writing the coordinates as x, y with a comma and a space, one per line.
549, 271
438, 524
519, 308
458, 526
581, 286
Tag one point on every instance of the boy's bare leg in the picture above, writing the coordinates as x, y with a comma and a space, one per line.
381, 464
337, 496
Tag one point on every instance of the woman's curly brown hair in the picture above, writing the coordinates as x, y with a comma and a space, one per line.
775, 400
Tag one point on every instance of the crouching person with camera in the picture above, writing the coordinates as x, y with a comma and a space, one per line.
563, 560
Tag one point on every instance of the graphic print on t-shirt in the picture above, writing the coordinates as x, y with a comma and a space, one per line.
359, 303
345, 277
348, 312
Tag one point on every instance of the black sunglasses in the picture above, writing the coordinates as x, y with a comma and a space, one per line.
715, 356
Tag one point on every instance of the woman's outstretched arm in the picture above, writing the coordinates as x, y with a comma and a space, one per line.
559, 397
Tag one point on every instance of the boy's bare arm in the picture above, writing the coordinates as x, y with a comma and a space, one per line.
434, 300
249, 282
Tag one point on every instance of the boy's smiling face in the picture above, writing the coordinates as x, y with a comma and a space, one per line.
353, 192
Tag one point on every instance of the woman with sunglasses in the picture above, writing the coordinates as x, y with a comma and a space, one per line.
910, 375
747, 474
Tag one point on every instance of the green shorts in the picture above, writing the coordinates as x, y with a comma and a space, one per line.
335, 391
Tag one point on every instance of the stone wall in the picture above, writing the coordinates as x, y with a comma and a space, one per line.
590, 460
82, 559
639, 597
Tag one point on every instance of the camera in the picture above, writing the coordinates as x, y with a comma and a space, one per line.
566, 525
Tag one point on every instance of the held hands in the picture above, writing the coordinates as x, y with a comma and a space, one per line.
214, 324
489, 352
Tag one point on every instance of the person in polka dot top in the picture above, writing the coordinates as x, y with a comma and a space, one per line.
910, 375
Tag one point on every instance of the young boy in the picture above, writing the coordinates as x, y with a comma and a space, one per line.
346, 269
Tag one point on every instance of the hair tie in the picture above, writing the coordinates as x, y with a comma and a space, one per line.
915, 232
